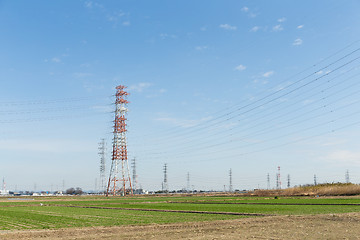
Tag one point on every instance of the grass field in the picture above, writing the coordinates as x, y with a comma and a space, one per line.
90, 211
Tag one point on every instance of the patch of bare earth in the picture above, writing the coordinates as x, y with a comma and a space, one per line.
330, 226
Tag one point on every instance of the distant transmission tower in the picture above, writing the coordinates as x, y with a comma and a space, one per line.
188, 182
315, 182
288, 180
165, 183
278, 179
117, 184
347, 176
102, 151
230, 181
134, 177
268, 181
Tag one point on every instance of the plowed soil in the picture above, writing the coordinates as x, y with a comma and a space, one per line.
333, 226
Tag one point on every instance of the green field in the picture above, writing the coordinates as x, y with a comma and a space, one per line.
85, 211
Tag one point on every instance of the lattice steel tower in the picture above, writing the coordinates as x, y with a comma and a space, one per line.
278, 179
165, 183
230, 181
118, 183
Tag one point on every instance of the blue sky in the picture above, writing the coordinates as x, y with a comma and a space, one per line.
246, 85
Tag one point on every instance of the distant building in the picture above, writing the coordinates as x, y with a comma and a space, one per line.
4, 192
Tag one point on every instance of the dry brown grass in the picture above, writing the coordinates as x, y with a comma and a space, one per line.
329, 189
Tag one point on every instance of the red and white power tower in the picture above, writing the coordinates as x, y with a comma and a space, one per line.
119, 177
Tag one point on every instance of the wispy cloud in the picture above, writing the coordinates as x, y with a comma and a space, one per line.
56, 60
116, 17
93, 4
126, 23
300, 26
297, 42
201, 48
165, 36
228, 27
240, 67
140, 87
255, 29
248, 12
88, 4
278, 28
280, 20
245, 9
268, 74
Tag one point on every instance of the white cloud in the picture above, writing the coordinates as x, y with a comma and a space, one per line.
240, 67
300, 26
203, 29
319, 72
88, 4
280, 20
162, 90
245, 9
278, 28
115, 17
297, 42
254, 29
268, 74
165, 35
227, 27
126, 23
55, 59
93, 4
200, 48
140, 87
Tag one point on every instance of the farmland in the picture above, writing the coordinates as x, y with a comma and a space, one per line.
83, 212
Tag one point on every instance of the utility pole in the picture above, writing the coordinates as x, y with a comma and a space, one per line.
347, 176
102, 153
315, 182
165, 188
230, 181
119, 154
268, 181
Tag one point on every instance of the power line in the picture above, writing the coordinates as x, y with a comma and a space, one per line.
204, 126
271, 100
175, 129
